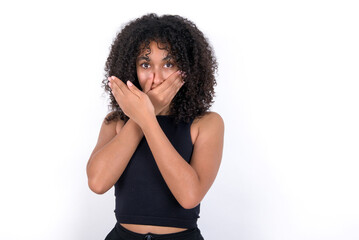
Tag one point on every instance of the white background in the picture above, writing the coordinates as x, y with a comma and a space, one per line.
287, 91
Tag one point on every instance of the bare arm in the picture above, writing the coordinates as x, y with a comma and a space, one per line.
112, 154
188, 183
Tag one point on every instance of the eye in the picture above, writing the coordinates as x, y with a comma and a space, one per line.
145, 65
169, 65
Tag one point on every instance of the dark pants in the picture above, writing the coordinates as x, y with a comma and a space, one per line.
121, 233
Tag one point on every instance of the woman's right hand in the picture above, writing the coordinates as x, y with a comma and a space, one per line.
162, 95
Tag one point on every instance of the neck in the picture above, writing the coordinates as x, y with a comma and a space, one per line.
165, 112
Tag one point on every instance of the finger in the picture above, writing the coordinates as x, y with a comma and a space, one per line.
168, 82
183, 77
173, 77
148, 86
174, 83
177, 80
114, 88
172, 91
134, 89
118, 85
178, 84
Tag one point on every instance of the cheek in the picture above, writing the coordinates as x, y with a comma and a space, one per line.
166, 73
143, 77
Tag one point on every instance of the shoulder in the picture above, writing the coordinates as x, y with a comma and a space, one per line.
209, 124
209, 120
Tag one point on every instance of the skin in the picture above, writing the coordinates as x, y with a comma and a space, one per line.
152, 70
188, 183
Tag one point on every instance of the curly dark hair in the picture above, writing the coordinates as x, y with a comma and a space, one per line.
190, 50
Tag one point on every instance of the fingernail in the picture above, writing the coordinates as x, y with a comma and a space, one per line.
113, 77
129, 83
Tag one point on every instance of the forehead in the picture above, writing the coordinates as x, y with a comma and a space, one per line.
154, 48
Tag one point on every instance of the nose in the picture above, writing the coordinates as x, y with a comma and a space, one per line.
157, 77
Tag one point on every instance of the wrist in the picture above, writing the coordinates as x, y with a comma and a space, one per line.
148, 121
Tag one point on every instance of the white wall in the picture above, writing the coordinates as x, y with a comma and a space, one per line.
287, 90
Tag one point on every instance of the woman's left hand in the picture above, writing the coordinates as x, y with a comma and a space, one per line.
133, 102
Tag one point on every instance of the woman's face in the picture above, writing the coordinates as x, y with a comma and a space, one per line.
154, 68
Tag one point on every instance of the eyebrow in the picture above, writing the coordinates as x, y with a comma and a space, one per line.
168, 57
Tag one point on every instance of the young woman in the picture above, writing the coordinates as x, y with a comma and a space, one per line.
159, 146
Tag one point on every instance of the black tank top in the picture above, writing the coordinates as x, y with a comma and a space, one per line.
142, 195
